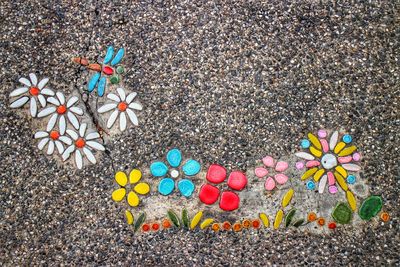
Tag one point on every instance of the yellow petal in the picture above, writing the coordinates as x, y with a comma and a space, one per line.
121, 179
135, 176
118, 194
341, 181
347, 151
308, 173
317, 153
278, 219
342, 171
264, 219
339, 147
287, 197
129, 217
142, 188
351, 200
206, 223
318, 174
196, 219
314, 140
133, 199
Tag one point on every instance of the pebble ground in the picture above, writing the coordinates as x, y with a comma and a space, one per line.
225, 82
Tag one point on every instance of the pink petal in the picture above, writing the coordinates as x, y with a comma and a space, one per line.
312, 163
281, 178
345, 159
261, 172
281, 166
325, 146
331, 178
268, 161
270, 184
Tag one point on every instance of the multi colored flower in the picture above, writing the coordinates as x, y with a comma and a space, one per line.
278, 167
136, 188
229, 200
167, 185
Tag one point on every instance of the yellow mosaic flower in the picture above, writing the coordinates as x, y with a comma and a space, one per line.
136, 188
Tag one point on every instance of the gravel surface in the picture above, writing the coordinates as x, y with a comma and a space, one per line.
225, 82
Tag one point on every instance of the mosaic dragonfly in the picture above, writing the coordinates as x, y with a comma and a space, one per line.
110, 68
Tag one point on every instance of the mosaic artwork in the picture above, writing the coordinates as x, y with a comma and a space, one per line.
317, 188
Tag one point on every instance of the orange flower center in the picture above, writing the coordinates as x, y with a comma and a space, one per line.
54, 135
34, 90
122, 106
61, 109
80, 143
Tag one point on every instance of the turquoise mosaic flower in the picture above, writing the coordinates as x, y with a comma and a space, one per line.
167, 185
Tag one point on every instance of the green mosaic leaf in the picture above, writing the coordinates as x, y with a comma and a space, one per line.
289, 217
185, 218
174, 218
342, 213
140, 221
298, 223
370, 207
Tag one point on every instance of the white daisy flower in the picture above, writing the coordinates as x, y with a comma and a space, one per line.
123, 106
83, 143
31, 90
52, 139
59, 110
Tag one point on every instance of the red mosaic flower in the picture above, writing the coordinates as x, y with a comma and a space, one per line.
209, 194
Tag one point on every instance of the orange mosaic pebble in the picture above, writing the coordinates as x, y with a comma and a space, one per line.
155, 226
332, 225
145, 227
34, 90
246, 223
61, 109
321, 221
385, 216
54, 135
237, 227
80, 143
166, 224
215, 227
311, 217
256, 224
122, 106
226, 226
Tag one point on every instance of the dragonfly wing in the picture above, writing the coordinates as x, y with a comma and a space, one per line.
109, 54
102, 86
93, 81
118, 57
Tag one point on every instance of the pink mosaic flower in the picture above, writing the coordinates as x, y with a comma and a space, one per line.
271, 165
209, 194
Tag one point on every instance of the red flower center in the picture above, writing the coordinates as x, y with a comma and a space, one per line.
80, 143
54, 135
61, 109
122, 106
34, 90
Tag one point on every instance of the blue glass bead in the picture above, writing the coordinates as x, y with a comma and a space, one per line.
158, 169
310, 185
305, 143
186, 187
347, 138
351, 179
191, 167
174, 157
166, 186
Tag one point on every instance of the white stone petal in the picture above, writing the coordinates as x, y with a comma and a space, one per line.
62, 124
19, 91
333, 140
52, 122
25, 81
72, 101
61, 98
107, 107
33, 78
96, 145
113, 97
122, 121
60, 146
53, 101
135, 105
67, 152
112, 119
33, 107
47, 91
50, 147
132, 116
19, 102
351, 167
65, 139
304, 155
73, 134
130, 97
82, 129
41, 134
78, 159
121, 93
47, 111
89, 155
92, 136
42, 100
73, 120
76, 110
322, 184
42, 143
43, 83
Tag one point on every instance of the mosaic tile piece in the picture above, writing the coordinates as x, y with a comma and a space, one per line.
342, 213
209, 194
370, 207
129, 217
174, 157
237, 180
229, 201
278, 219
166, 186
186, 187
264, 219
158, 169
191, 167
287, 197
196, 219
216, 174
206, 223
